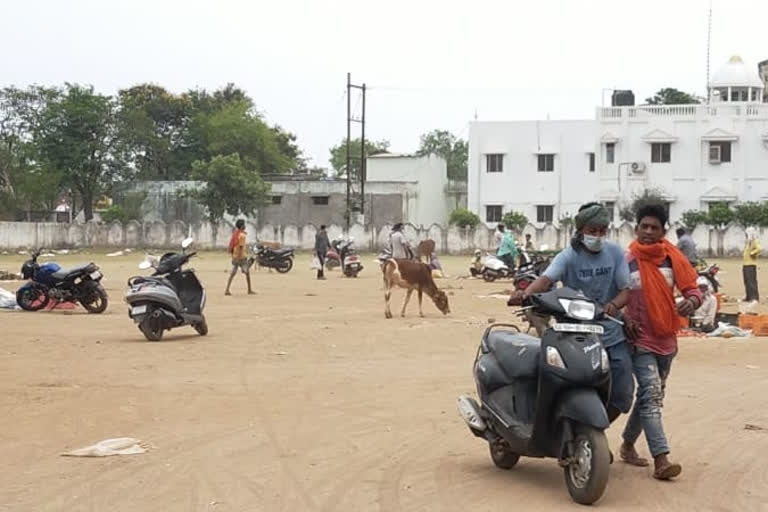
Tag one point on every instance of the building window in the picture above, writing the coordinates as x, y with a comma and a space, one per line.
320, 200
546, 163
610, 152
545, 213
494, 162
661, 152
493, 213
611, 207
277, 199
591, 162
719, 152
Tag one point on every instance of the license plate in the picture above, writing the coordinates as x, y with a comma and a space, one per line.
139, 310
587, 328
95, 275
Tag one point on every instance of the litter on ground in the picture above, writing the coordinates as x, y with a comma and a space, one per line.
107, 447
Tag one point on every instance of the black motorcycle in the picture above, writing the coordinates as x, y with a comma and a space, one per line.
547, 397
278, 259
49, 282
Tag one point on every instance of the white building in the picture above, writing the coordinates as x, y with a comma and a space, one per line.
694, 154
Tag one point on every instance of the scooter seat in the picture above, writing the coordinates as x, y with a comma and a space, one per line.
517, 354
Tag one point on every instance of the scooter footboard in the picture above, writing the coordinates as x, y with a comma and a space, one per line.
582, 406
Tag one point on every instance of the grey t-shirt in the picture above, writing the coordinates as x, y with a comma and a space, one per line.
688, 247
600, 276
398, 246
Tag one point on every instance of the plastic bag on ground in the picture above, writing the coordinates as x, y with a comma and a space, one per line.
730, 331
107, 447
8, 300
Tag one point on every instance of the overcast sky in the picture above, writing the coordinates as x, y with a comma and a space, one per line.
428, 63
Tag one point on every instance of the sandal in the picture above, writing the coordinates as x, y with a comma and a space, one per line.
633, 459
668, 472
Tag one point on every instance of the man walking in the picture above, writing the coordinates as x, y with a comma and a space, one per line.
599, 269
237, 247
751, 253
687, 246
322, 244
656, 268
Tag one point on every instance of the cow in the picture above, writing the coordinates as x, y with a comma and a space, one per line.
411, 275
425, 249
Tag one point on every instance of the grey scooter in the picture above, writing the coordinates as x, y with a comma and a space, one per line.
170, 298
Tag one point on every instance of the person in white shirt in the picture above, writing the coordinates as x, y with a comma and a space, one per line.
705, 315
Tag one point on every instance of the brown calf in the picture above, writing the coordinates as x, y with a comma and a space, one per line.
425, 249
411, 275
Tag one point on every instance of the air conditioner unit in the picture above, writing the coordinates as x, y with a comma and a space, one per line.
715, 154
637, 167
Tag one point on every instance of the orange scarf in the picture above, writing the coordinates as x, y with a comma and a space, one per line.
659, 299
234, 239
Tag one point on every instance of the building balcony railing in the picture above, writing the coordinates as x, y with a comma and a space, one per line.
752, 110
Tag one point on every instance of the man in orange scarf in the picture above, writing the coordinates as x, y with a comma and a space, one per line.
656, 268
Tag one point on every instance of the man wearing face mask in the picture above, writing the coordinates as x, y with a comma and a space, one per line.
599, 269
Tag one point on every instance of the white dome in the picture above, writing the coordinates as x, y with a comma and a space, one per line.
735, 73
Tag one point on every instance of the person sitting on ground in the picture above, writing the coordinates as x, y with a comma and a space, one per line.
687, 246
237, 248
651, 319
507, 251
705, 315
529, 245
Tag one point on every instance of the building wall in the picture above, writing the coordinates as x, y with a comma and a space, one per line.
521, 187
429, 174
688, 180
763, 72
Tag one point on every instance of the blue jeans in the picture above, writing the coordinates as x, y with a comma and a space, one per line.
651, 371
622, 382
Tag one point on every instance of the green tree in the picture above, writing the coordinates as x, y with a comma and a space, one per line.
464, 218
339, 155
648, 196
692, 218
77, 136
286, 144
671, 96
444, 144
514, 220
720, 215
152, 124
229, 187
751, 214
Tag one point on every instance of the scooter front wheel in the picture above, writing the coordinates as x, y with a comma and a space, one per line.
587, 475
502, 456
489, 277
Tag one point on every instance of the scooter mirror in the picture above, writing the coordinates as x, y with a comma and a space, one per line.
144, 265
187, 242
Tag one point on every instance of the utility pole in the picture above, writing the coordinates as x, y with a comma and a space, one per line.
362, 175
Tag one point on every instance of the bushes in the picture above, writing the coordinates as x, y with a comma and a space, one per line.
113, 213
722, 214
514, 220
464, 218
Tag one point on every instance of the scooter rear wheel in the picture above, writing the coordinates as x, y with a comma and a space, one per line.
488, 277
201, 327
502, 456
150, 333
587, 475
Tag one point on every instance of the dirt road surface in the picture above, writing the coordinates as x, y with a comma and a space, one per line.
305, 398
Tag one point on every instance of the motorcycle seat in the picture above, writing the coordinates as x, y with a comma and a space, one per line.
279, 252
63, 274
517, 354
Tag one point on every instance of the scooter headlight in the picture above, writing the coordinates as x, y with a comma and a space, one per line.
554, 358
578, 309
605, 363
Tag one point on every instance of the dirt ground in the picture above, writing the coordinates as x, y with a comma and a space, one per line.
305, 398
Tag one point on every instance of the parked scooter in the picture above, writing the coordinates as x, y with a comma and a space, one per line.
709, 272
547, 397
494, 268
342, 253
170, 298
278, 259
49, 282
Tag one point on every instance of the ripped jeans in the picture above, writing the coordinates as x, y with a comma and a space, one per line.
651, 371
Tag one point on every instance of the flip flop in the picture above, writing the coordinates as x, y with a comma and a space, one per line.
634, 459
668, 472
